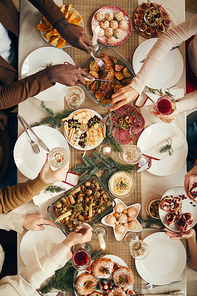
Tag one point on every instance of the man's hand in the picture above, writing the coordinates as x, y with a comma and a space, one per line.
49, 176
190, 178
67, 74
123, 96
73, 34
3, 120
36, 222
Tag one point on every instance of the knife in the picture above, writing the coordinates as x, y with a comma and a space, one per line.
87, 79
144, 164
40, 142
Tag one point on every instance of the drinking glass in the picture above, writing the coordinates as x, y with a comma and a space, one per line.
165, 105
58, 158
80, 259
99, 234
130, 154
138, 248
74, 97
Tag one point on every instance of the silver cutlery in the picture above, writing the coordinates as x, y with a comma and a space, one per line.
151, 286
84, 226
97, 79
40, 142
142, 61
99, 62
34, 146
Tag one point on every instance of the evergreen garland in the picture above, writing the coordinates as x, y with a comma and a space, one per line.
109, 139
149, 222
54, 120
97, 163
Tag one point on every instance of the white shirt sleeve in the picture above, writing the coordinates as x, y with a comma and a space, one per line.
188, 102
13, 220
36, 271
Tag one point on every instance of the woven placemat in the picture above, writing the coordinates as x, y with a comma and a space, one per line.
87, 8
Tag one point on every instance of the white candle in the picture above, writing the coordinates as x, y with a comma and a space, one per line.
95, 35
101, 241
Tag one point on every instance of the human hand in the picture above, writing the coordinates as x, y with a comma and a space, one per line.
49, 176
166, 118
3, 120
73, 34
79, 236
123, 96
179, 235
190, 178
67, 74
36, 222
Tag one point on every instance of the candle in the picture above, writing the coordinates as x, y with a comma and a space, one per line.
95, 35
101, 241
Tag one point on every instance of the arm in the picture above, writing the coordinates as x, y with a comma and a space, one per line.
39, 269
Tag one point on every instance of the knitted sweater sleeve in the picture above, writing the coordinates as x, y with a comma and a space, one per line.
171, 38
12, 197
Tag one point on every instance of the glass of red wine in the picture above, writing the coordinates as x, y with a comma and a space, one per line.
165, 105
80, 258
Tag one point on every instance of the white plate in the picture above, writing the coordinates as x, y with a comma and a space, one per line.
66, 44
155, 134
188, 206
29, 163
37, 238
167, 73
91, 147
118, 236
165, 262
35, 62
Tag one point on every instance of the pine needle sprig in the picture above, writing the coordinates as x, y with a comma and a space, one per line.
115, 145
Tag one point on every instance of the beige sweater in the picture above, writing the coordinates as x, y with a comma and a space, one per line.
171, 38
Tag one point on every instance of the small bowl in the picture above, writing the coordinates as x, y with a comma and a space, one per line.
120, 174
152, 208
157, 11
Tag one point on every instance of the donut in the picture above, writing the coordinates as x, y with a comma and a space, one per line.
102, 268
85, 283
123, 277
123, 25
110, 219
104, 25
119, 33
119, 208
118, 15
113, 24
111, 40
100, 16
108, 32
109, 16
132, 212
117, 291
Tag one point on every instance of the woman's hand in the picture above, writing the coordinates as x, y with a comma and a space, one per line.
67, 74
179, 235
190, 178
166, 118
79, 236
123, 96
36, 222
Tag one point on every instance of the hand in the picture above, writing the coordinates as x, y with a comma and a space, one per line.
35, 222
123, 96
67, 74
3, 120
166, 118
73, 34
49, 176
190, 178
79, 236
179, 235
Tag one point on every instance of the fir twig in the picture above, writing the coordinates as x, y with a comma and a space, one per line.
53, 188
149, 222
115, 145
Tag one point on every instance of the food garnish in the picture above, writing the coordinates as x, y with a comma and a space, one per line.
167, 147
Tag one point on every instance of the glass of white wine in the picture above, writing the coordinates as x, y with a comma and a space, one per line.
130, 154
138, 248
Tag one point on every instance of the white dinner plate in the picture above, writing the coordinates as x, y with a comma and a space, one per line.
37, 238
37, 61
167, 73
155, 134
165, 262
188, 206
29, 163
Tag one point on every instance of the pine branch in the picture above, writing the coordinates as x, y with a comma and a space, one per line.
115, 145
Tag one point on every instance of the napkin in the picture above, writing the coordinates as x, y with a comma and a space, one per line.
147, 98
70, 182
2, 256
176, 142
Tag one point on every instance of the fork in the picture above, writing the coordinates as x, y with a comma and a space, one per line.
151, 286
34, 146
99, 62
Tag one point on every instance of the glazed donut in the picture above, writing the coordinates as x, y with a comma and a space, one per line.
126, 275
102, 268
85, 283
117, 291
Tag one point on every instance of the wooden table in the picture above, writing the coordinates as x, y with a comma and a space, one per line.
30, 39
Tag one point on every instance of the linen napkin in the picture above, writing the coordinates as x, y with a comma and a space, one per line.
174, 141
70, 182
147, 98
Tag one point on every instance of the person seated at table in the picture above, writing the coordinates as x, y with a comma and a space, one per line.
13, 92
39, 269
190, 235
164, 44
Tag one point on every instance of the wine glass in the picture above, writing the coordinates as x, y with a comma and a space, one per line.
80, 259
138, 248
130, 154
165, 105
99, 234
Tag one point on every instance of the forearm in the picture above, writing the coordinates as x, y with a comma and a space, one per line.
23, 89
13, 220
188, 102
192, 244
12, 197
